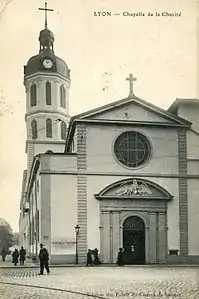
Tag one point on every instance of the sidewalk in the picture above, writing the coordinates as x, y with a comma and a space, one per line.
8, 263
30, 264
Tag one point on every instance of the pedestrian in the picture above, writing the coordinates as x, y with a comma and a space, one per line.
44, 259
22, 256
89, 261
120, 257
96, 257
15, 257
3, 254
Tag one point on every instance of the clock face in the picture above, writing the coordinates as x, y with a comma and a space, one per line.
47, 63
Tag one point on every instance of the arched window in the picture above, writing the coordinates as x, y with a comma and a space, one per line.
49, 128
48, 93
34, 129
62, 96
33, 95
63, 130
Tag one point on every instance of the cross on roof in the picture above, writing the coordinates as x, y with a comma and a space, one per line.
46, 10
131, 80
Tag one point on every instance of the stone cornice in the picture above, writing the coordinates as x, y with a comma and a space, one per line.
131, 122
44, 75
45, 141
46, 112
119, 174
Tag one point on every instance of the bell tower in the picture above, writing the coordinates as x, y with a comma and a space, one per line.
47, 83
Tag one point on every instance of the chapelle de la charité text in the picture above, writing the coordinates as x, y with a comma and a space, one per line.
137, 14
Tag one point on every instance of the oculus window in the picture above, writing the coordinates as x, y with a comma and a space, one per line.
132, 149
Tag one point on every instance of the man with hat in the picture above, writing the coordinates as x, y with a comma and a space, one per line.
43, 258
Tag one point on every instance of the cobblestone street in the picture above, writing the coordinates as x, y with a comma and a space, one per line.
104, 282
23, 292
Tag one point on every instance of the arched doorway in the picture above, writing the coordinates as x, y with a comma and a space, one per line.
134, 240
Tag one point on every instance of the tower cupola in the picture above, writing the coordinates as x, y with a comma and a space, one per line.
46, 60
46, 39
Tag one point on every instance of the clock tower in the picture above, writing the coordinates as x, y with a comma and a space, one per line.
47, 83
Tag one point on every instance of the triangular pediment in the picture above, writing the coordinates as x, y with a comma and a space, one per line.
134, 189
132, 109
128, 111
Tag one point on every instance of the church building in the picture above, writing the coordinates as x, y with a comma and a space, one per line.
126, 174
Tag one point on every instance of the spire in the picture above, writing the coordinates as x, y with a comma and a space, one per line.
46, 10
46, 37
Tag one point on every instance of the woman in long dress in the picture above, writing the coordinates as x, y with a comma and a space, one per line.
15, 257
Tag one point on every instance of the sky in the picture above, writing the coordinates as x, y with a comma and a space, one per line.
160, 51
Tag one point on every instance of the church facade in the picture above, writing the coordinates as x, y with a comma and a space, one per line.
127, 174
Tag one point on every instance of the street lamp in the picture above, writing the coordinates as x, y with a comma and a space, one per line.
76, 233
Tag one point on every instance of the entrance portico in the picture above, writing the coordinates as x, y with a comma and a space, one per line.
133, 215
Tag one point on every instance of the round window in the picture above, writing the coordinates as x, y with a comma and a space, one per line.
132, 149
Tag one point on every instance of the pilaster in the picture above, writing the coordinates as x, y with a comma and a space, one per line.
162, 232
183, 204
152, 238
116, 235
82, 192
106, 237
30, 155
45, 212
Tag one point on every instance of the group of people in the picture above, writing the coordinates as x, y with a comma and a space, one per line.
19, 256
44, 257
96, 260
93, 261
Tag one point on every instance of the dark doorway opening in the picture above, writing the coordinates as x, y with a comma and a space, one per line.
134, 241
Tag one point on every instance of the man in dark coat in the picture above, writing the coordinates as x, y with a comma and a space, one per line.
3, 254
89, 261
43, 258
120, 257
15, 257
22, 255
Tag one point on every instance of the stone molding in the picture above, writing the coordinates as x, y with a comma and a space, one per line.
134, 188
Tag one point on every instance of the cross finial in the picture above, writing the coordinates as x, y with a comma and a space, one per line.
131, 80
46, 9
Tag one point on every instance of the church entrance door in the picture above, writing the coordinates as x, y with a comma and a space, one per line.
134, 241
